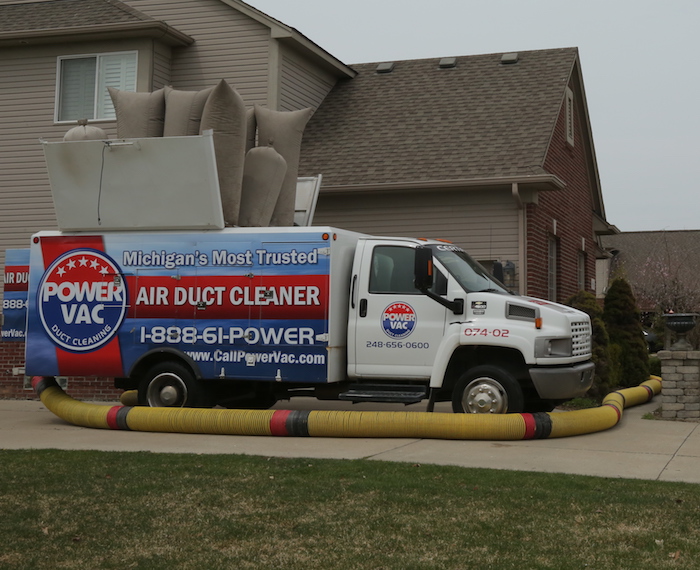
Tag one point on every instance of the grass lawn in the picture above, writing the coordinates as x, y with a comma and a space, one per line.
84, 509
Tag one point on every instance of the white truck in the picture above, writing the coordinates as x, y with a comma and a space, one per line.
145, 284
243, 317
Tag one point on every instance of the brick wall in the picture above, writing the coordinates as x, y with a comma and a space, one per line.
680, 391
12, 386
572, 208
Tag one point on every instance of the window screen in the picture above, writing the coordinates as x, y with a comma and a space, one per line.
83, 82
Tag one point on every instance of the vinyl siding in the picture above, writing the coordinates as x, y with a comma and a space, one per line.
161, 67
27, 87
301, 85
485, 223
229, 45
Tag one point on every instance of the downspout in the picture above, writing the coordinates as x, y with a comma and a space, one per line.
522, 239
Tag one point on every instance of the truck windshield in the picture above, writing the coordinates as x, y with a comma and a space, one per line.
468, 273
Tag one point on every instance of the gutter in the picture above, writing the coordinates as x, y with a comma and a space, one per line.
537, 182
153, 29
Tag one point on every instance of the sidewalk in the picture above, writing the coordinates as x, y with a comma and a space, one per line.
635, 448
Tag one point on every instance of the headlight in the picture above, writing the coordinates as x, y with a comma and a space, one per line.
552, 347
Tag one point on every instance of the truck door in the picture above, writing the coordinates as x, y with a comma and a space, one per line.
397, 330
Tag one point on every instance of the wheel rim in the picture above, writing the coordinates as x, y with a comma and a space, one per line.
485, 396
166, 390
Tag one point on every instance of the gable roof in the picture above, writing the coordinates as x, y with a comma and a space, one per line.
291, 36
480, 121
47, 21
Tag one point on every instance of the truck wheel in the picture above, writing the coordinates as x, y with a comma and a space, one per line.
487, 390
169, 384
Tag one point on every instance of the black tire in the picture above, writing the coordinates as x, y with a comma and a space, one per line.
170, 384
487, 390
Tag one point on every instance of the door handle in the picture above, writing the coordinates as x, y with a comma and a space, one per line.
363, 307
352, 291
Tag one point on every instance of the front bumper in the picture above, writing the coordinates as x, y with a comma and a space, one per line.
563, 383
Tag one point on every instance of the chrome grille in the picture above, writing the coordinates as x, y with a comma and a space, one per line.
581, 338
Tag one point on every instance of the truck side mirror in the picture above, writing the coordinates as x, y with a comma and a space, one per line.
423, 269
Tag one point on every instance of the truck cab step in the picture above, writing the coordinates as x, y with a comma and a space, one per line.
404, 394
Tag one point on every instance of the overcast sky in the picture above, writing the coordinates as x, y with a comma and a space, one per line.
640, 62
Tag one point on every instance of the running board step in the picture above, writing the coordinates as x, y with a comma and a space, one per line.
404, 394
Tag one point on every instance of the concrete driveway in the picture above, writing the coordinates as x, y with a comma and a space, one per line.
636, 448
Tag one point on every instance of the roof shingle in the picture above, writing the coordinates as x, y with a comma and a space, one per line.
62, 14
480, 119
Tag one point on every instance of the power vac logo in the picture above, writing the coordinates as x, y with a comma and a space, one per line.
82, 300
398, 320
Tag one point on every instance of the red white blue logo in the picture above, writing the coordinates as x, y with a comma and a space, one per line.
398, 320
82, 300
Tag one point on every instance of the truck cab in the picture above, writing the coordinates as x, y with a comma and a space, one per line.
427, 316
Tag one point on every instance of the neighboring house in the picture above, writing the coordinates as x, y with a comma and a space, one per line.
492, 152
661, 267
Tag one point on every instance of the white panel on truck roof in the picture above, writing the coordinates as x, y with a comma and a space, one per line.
149, 183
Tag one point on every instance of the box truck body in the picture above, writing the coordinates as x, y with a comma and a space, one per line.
259, 305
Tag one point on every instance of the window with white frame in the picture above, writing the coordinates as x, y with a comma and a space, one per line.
82, 82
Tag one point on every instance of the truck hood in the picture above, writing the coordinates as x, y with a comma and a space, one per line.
549, 305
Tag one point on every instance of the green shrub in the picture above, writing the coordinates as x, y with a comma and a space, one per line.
616, 370
624, 326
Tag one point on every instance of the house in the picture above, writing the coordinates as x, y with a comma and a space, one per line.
660, 266
493, 152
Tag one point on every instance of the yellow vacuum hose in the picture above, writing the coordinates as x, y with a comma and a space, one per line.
426, 425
